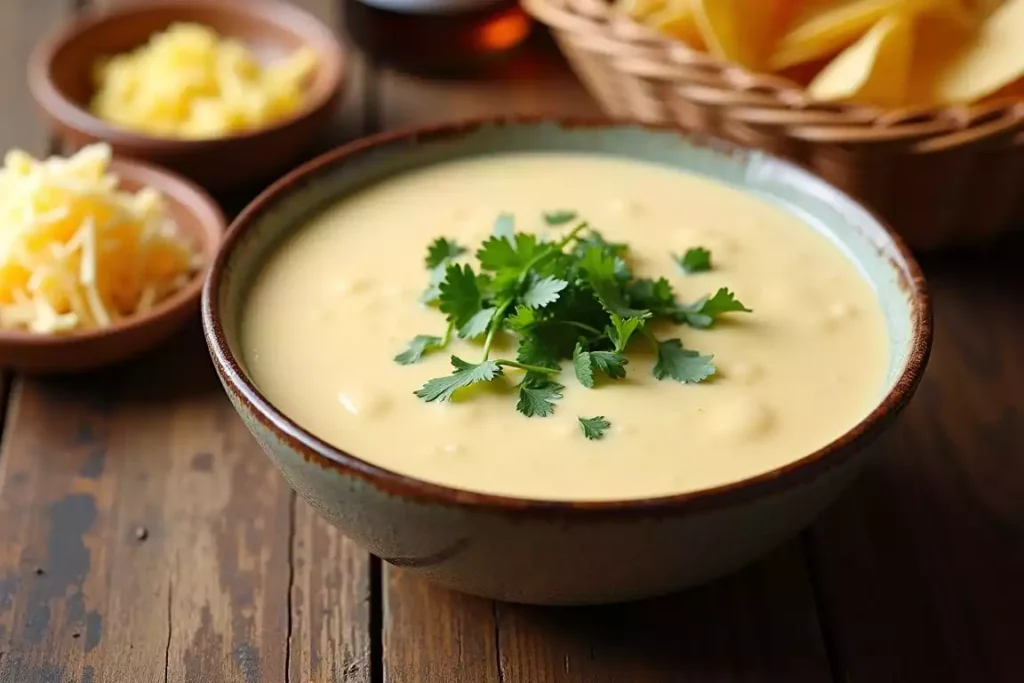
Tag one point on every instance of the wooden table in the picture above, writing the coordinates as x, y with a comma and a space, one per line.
144, 537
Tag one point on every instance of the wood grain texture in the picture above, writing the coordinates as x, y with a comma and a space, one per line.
760, 625
145, 537
533, 81
922, 563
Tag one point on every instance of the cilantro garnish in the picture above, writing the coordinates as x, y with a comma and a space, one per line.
695, 260
419, 345
441, 251
611, 363
682, 365
442, 388
558, 217
573, 298
537, 396
594, 427
704, 312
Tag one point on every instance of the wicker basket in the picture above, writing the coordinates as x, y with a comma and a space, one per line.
940, 176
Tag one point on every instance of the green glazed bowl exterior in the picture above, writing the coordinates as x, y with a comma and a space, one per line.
561, 552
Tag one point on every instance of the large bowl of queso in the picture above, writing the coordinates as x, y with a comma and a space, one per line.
564, 363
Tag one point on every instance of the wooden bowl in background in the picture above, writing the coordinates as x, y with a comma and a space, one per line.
60, 79
199, 218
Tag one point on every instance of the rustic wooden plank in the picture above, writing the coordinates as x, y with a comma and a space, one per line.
431, 634
759, 625
330, 636
921, 563
147, 538
144, 536
20, 24
535, 80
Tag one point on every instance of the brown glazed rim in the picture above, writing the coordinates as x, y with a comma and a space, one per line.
325, 455
312, 30
198, 203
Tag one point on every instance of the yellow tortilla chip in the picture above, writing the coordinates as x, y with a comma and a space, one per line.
678, 18
993, 58
937, 42
824, 27
873, 70
743, 31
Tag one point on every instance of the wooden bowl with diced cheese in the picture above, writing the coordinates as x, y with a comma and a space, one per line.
100, 258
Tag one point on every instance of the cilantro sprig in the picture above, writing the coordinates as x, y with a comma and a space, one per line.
569, 299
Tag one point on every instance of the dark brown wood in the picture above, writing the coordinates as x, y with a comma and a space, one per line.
922, 563
534, 80
758, 626
144, 536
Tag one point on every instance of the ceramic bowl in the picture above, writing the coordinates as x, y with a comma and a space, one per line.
60, 79
199, 218
562, 552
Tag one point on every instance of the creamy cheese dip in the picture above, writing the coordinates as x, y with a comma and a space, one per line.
336, 302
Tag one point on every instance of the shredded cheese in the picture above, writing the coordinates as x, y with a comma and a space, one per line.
189, 82
78, 253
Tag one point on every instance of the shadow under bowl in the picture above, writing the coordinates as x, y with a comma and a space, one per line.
199, 219
60, 76
562, 552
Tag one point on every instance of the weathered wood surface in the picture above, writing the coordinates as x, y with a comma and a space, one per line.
921, 564
143, 536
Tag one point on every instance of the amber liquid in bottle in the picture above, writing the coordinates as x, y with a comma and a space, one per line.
437, 36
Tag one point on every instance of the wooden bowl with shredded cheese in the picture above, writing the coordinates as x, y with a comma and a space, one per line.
100, 259
193, 115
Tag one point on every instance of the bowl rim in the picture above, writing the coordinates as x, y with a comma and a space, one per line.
185, 297
52, 99
319, 452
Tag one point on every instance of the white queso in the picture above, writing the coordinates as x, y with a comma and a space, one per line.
577, 374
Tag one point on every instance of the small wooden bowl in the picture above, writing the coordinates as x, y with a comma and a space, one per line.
199, 218
60, 79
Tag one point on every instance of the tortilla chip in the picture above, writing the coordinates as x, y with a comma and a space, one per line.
823, 28
743, 31
992, 59
678, 18
874, 70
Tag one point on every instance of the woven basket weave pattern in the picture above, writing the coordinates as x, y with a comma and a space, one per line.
941, 176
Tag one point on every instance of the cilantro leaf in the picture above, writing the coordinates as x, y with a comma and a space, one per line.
459, 294
523, 318
584, 367
420, 344
654, 295
537, 396
441, 251
682, 365
534, 350
560, 217
695, 260
515, 252
442, 388
706, 310
543, 291
433, 290
478, 324
504, 226
595, 240
594, 427
624, 328
613, 301
609, 362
